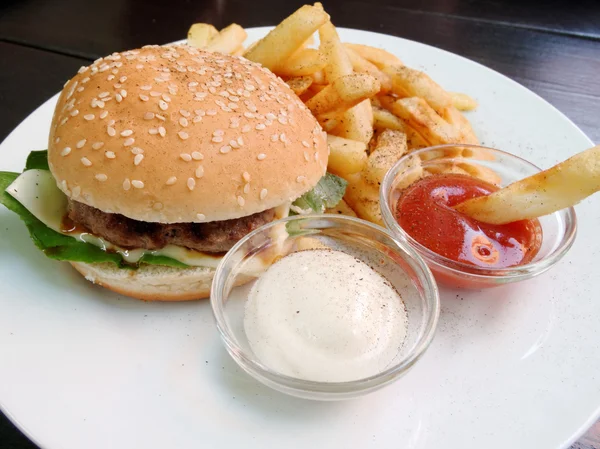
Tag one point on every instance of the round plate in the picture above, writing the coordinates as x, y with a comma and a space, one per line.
512, 367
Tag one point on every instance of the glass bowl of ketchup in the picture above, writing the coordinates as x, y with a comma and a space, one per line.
417, 197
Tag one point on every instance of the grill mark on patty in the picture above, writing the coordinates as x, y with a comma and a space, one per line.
214, 236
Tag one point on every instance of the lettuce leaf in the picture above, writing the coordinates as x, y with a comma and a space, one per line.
56, 245
327, 193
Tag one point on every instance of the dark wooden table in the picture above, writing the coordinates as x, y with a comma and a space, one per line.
552, 47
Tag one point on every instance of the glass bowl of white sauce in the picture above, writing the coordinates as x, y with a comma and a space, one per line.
324, 307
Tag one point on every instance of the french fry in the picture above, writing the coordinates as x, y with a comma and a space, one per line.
384, 119
338, 62
319, 77
460, 122
413, 171
361, 65
300, 84
345, 156
363, 198
357, 123
445, 168
480, 171
344, 93
200, 34
561, 186
426, 121
414, 138
281, 42
407, 82
328, 123
341, 208
228, 40
377, 56
389, 148
304, 62
463, 102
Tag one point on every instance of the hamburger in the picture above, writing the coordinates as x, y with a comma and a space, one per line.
159, 160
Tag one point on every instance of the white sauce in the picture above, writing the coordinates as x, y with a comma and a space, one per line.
326, 316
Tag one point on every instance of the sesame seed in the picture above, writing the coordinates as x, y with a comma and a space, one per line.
148, 115
225, 149
155, 94
201, 216
111, 131
75, 112
172, 180
153, 131
274, 137
128, 142
76, 191
110, 77
247, 188
65, 151
183, 122
97, 145
197, 156
122, 79
160, 117
126, 184
103, 114
101, 177
241, 201
261, 156
123, 93
211, 112
63, 121
316, 155
217, 139
104, 94
240, 141
162, 131
300, 178
263, 194
146, 87
218, 132
185, 156
81, 143
306, 144
183, 135
184, 113
248, 114
111, 122
260, 126
163, 105
110, 155
89, 117
200, 171
166, 98
137, 183
85, 161
137, 150
246, 128
246, 176
127, 132
119, 98
191, 183
144, 97
282, 137
137, 159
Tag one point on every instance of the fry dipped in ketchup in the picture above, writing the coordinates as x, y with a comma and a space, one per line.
425, 211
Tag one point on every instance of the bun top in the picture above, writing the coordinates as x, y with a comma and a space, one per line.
174, 134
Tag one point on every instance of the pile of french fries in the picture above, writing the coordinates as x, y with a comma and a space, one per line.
373, 108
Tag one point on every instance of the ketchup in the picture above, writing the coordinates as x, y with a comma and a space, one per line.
425, 212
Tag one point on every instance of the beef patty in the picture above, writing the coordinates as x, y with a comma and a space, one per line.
215, 236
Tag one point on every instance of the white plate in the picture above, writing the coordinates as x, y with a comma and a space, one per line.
514, 367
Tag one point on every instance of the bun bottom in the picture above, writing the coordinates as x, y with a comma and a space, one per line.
150, 282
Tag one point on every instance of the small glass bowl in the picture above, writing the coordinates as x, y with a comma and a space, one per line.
495, 166
396, 261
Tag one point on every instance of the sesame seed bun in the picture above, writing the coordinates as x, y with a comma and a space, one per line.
173, 134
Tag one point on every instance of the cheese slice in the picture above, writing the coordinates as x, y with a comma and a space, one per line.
36, 190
